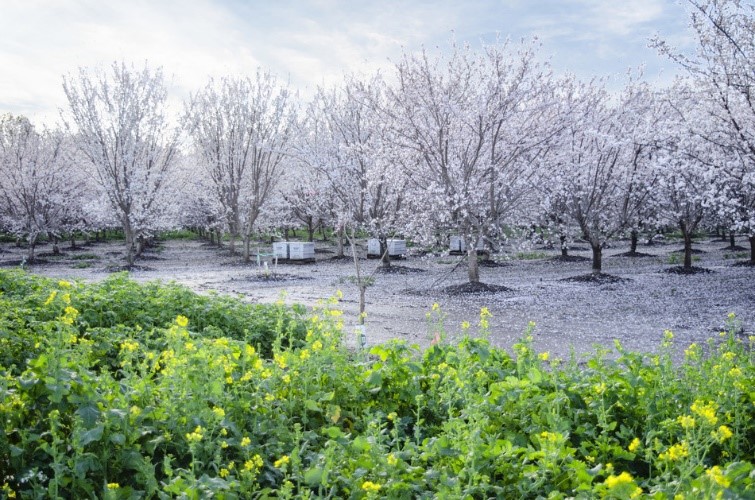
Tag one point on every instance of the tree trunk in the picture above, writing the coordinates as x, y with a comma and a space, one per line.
30, 249
732, 240
633, 242
310, 229
339, 252
687, 246
385, 257
597, 258
247, 248
73, 241
564, 246
752, 249
55, 247
473, 267
232, 244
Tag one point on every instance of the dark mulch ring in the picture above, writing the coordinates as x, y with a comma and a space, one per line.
490, 263
695, 251
24, 262
394, 269
273, 277
744, 263
597, 278
149, 257
687, 270
51, 254
569, 258
735, 248
118, 269
323, 250
633, 254
474, 288
341, 258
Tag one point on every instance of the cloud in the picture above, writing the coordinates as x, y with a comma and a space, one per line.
311, 43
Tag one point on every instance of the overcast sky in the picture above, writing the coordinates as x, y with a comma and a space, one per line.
309, 43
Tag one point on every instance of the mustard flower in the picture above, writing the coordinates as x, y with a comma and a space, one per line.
245, 441
718, 477
370, 486
182, 321
281, 462
706, 410
686, 421
634, 445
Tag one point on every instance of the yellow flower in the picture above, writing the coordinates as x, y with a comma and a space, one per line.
634, 445
182, 321
735, 372
64, 284
280, 361
254, 463
615, 481
52, 296
544, 356
436, 306
668, 334
675, 452
196, 436
69, 316
224, 472
707, 410
392, 460
219, 412
281, 462
722, 434
113, 486
304, 354
370, 486
316, 346
245, 441
717, 476
465, 325
686, 421
129, 346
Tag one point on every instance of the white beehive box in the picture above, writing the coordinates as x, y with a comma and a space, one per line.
301, 250
280, 249
396, 248
373, 247
459, 246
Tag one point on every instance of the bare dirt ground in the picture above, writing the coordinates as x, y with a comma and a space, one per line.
569, 316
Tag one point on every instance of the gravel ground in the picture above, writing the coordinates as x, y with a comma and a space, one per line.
569, 316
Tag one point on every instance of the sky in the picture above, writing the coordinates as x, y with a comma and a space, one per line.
309, 43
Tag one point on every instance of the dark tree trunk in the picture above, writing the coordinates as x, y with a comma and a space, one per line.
597, 258
73, 241
687, 246
752, 249
310, 229
732, 240
339, 252
55, 247
385, 257
564, 246
633, 242
472, 265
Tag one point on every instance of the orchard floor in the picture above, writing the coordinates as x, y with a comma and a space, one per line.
570, 316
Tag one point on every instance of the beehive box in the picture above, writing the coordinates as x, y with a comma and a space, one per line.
280, 249
396, 248
373, 248
458, 246
301, 250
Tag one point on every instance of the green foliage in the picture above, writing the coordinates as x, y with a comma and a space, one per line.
117, 390
178, 234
